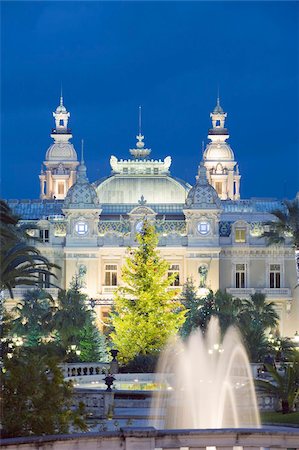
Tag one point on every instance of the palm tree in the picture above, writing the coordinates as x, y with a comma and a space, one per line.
284, 385
286, 226
21, 264
259, 311
227, 309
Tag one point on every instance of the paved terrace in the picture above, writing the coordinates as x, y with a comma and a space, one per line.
149, 439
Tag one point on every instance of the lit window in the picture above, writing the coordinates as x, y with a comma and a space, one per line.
111, 275
240, 235
61, 188
240, 276
275, 276
174, 269
44, 235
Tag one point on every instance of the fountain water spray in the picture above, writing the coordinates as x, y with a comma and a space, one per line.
209, 383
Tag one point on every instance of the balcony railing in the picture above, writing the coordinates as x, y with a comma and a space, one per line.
20, 291
240, 292
277, 292
284, 293
148, 438
109, 289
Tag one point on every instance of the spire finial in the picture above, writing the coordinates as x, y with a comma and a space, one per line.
203, 146
218, 96
140, 119
82, 151
61, 96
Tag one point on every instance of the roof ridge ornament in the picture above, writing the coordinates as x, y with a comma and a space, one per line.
140, 152
142, 200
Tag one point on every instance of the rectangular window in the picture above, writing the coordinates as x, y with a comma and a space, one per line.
44, 280
275, 277
111, 275
218, 187
44, 235
240, 276
61, 188
174, 269
240, 235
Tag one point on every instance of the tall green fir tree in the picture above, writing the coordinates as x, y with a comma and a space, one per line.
192, 304
146, 312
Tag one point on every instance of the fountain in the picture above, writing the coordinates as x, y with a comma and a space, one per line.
209, 383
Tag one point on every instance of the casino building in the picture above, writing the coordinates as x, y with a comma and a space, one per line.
206, 231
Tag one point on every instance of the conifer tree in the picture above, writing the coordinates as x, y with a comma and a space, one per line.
192, 304
146, 313
92, 344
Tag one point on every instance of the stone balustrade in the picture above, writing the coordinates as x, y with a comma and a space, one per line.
81, 369
150, 439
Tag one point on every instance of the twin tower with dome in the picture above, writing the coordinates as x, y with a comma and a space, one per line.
206, 232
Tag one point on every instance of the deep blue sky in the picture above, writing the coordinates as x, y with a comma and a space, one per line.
168, 57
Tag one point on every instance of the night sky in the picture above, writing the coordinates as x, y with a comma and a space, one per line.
168, 57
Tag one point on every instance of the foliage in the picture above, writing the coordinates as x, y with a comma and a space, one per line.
285, 226
200, 311
34, 317
41, 320
146, 312
253, 317
35, 398
141, 364
255, 341
20, 262
92, 344
260, 312
276, 418
192, 304
283, 384
257, 315
70, 316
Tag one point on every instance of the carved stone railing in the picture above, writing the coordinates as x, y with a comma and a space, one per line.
148, 438
82, 369
271, 293
279, 292
240, 292
20, 291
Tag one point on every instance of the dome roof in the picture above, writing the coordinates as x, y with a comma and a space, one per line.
61, 151
156, 189
203, 195
61, 109
219, 151
82, 194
